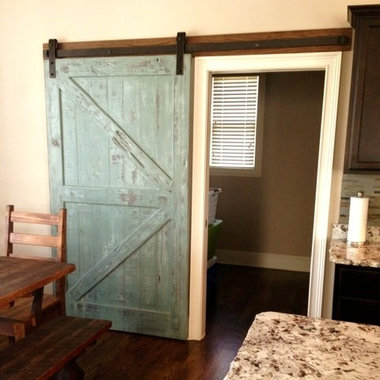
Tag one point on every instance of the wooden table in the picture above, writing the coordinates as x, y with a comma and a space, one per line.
22, 276
53, 347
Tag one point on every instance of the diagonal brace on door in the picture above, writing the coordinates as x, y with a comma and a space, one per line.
144, 162
119, 254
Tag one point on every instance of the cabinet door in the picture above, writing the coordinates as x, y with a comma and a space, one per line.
363, 151
357, 294
118, 133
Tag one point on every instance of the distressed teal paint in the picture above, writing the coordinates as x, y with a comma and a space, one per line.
118, 137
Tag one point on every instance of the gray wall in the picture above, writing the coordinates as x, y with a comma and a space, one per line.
274, 213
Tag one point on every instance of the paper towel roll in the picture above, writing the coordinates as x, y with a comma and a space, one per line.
357, 221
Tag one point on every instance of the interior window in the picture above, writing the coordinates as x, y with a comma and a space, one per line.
236, 124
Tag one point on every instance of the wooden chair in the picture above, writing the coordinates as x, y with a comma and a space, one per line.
19, 318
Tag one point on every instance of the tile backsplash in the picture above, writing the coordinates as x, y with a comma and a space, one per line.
369, 184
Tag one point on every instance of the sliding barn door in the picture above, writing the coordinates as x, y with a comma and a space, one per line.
118, 137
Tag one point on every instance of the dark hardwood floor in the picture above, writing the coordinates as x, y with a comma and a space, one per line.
240, 293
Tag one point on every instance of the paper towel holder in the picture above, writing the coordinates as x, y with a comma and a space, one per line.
357, 244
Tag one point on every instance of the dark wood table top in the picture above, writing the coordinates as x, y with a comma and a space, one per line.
21, 276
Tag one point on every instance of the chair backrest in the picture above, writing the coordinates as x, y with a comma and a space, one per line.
57, 241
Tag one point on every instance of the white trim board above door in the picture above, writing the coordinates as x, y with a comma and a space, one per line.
205, 66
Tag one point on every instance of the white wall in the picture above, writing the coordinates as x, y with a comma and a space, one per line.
25, 25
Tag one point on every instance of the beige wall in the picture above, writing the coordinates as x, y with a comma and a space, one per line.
26, 24
273, 213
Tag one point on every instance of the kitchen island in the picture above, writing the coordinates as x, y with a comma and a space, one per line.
287, 346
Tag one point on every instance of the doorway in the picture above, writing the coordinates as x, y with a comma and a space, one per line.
204, 67
267, 219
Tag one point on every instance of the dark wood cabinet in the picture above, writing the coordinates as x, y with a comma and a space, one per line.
363, 139
357, 294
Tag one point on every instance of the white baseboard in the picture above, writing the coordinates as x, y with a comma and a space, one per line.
264, 260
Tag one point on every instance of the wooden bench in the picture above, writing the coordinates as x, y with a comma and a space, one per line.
51, 350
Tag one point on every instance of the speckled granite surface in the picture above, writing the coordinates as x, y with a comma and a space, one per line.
286, 346
339, 232
367, 255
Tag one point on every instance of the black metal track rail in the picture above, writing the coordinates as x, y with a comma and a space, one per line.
203, 45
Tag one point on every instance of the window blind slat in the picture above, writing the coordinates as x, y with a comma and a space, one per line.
233, 121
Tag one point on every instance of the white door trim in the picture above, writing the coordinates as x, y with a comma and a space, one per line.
329, 62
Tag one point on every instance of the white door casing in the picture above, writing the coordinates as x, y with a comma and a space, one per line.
330, 63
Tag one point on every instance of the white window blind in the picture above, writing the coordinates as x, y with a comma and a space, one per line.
234, 106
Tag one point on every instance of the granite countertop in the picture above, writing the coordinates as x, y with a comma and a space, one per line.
287, 346
367, 255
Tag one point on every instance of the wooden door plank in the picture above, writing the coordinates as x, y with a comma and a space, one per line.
125, 197
70, 136
55, 146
